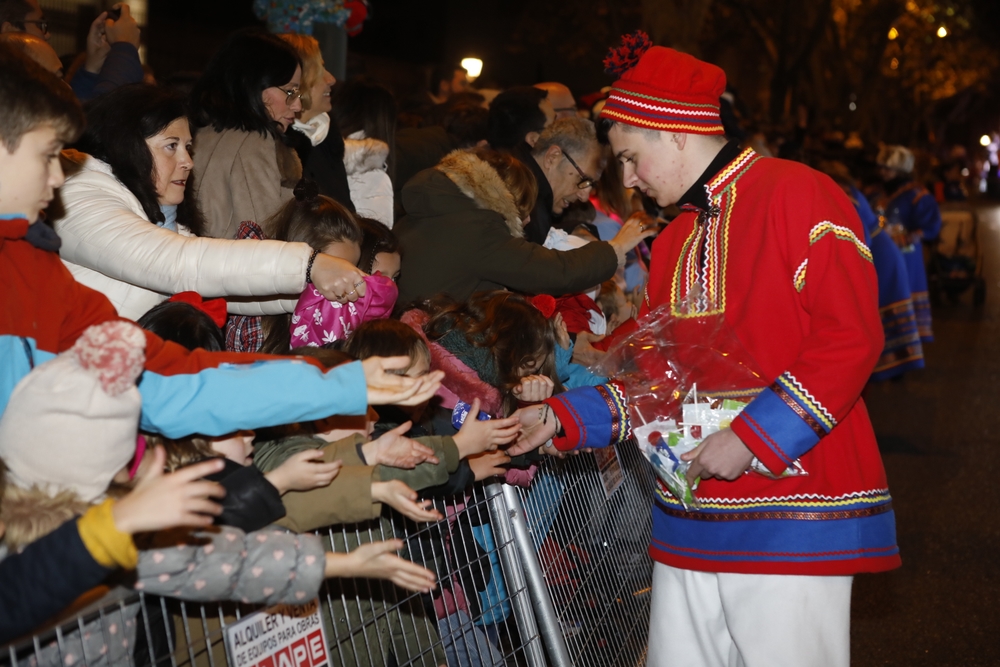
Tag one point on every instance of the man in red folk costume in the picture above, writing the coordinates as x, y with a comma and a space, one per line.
760, 575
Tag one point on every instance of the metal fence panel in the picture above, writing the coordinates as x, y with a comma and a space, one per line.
593, 546
564, 552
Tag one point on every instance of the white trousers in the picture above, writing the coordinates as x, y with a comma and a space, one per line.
702, 619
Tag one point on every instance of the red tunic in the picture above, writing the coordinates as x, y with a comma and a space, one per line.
779, 257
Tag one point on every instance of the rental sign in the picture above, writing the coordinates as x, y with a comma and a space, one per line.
280, 636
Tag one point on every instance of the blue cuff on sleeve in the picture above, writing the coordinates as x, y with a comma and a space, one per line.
591, 417
787, 419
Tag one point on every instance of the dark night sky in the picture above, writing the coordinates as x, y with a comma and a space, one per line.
411, 31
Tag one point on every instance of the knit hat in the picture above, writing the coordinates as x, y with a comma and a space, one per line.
662, 89
896, 157
71, 423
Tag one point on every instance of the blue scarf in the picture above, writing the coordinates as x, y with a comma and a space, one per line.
169, 217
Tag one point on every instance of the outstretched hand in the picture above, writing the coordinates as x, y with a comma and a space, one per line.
479, 436
160, 501
377, 561
489, 464
303, 472
386, 387
538, 425
638, 227
395, 450
403, 499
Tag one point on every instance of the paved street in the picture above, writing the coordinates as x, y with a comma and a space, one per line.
939, 431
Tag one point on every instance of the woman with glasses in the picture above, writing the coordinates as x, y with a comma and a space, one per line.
316, 135
242, 106
131, 227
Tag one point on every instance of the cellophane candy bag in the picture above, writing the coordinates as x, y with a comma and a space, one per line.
687, 376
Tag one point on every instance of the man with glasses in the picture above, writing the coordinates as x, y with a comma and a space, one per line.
566, 161
23, 16
112, 47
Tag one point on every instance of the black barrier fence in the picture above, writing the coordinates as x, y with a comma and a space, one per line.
556, 573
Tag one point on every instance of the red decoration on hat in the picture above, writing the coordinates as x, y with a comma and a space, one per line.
214, 308
627, 56
662, 89
545, 303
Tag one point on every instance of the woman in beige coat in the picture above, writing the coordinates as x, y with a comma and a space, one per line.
247, 98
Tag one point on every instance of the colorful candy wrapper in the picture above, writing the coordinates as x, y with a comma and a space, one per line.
461, 412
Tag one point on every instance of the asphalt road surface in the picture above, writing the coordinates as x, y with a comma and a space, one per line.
939, 432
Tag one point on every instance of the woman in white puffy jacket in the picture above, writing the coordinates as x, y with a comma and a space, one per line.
130, 232
366, 114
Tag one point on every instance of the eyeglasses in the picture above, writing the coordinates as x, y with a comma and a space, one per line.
291, 95
42, 24
585, 181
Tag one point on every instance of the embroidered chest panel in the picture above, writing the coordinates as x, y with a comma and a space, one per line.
698, 286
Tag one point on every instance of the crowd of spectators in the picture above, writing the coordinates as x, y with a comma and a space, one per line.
243, 270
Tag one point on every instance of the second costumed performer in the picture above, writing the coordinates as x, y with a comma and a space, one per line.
761, 574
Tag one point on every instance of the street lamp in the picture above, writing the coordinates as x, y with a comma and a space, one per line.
893, 33
985, 140
473, 66
942, 32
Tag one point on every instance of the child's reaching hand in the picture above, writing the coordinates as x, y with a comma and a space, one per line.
304, 471
160, 501
403, 499
488, 464
534, 388
561, 332
376, 561
480, 436
395, 450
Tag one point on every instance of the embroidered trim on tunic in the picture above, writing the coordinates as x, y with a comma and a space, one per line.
699, 284
807, 400
842, 233
798, 409
807, 501
614, 397
859, 513
799, 279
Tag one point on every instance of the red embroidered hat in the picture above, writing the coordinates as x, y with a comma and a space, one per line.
662, 89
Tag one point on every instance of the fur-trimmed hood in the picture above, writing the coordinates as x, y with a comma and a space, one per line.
480, 182
362, 155
31, 514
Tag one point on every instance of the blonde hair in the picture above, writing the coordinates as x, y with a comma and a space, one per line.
182, 452
312, 63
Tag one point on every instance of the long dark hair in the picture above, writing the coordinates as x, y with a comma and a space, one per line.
118, 124
505, 323
228, 94
362, 105
376, 238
